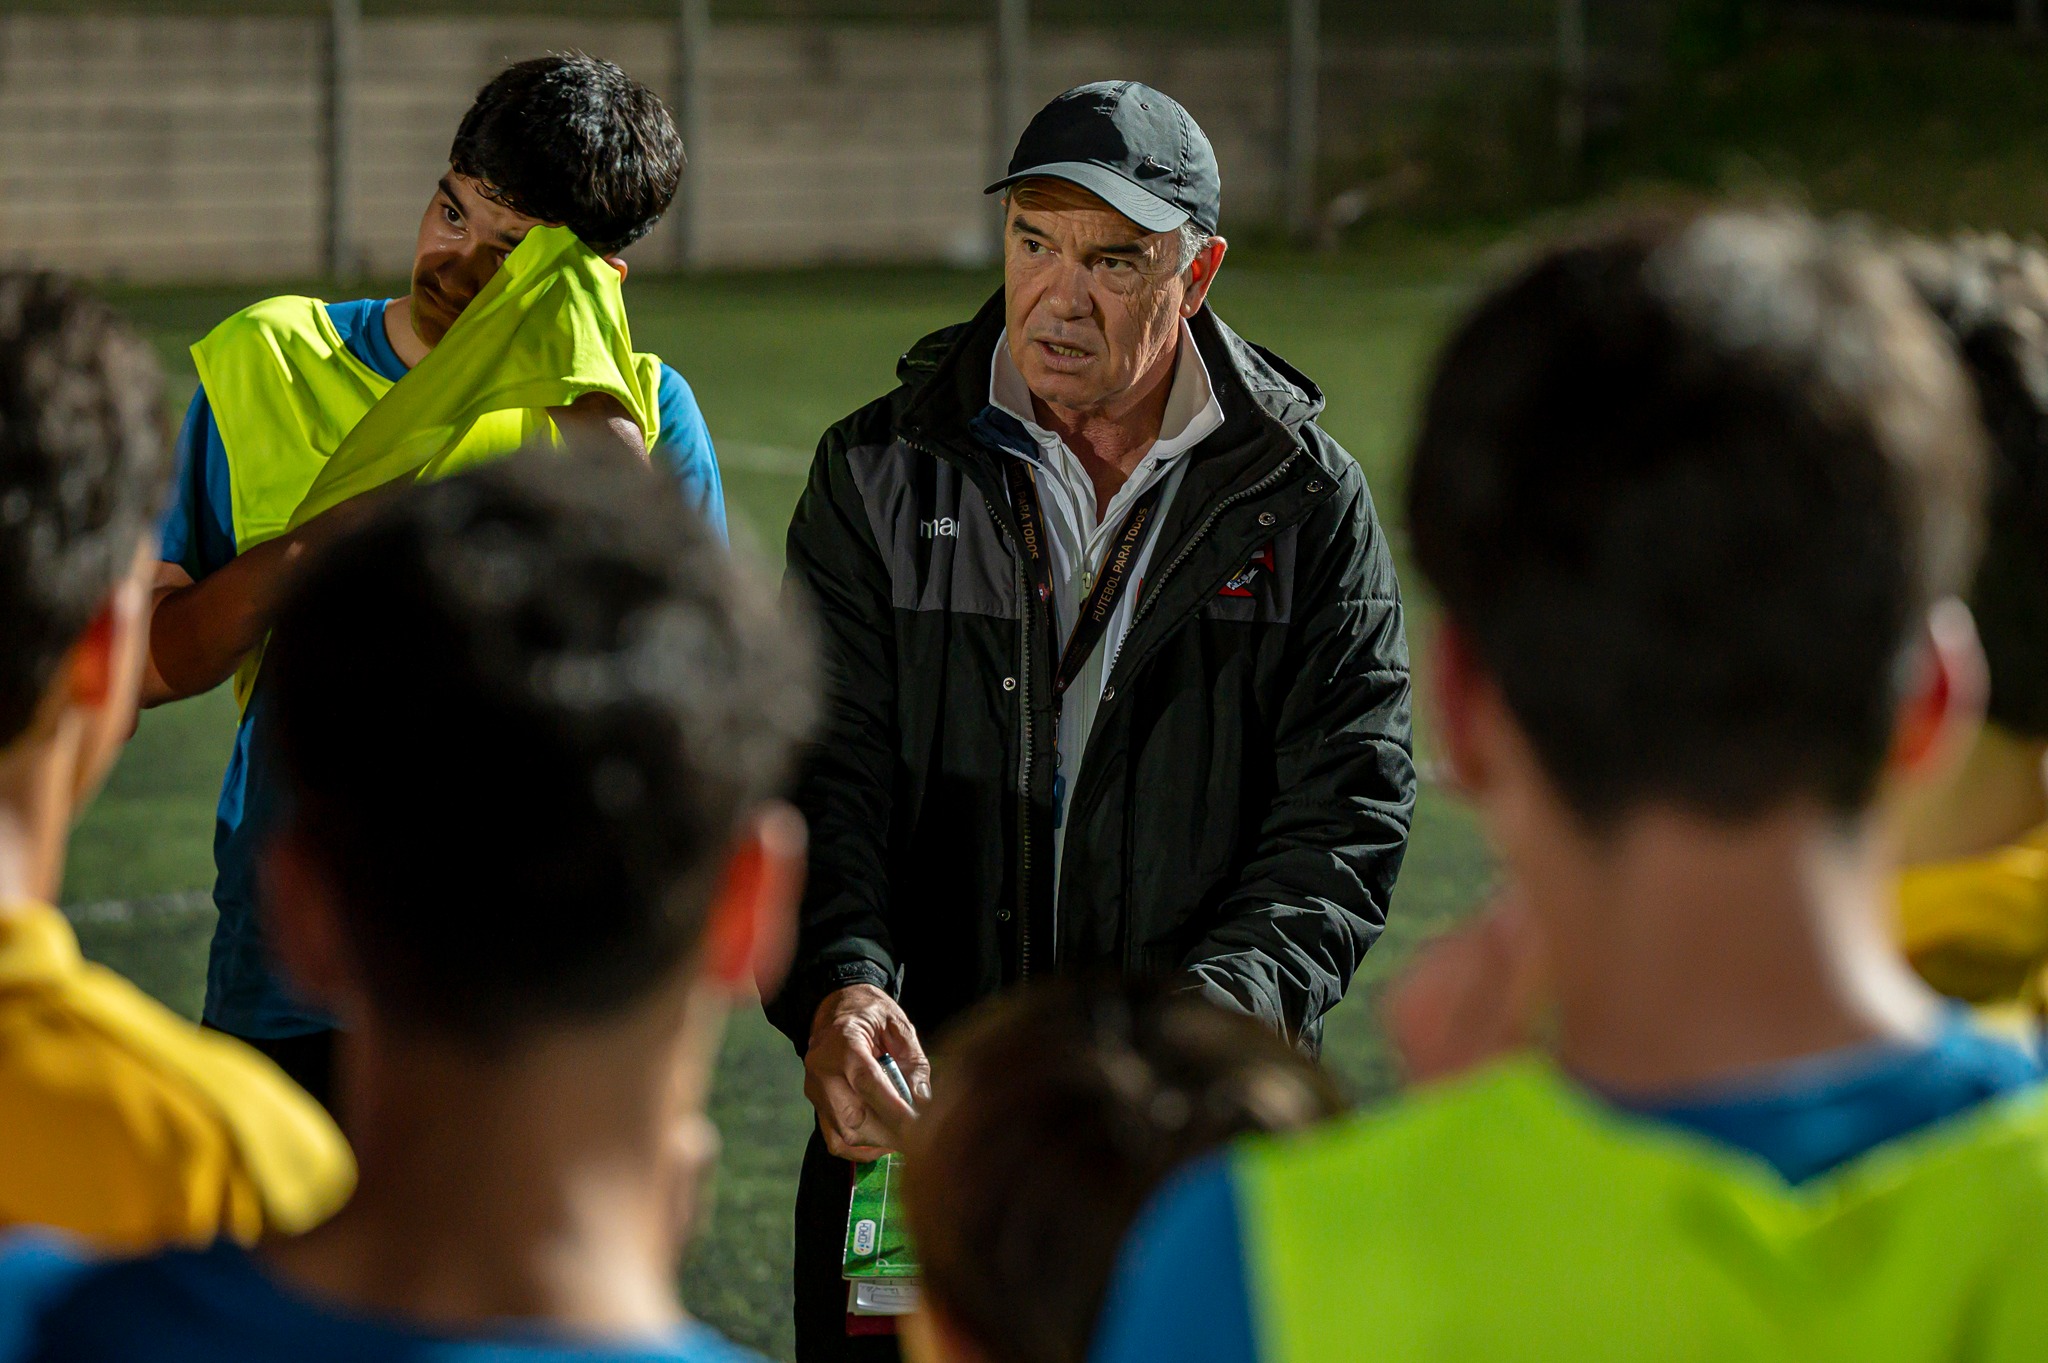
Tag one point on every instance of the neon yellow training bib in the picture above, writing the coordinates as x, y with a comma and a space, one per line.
1508, 1216
306, 425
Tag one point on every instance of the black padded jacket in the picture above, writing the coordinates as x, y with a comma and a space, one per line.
1244, 799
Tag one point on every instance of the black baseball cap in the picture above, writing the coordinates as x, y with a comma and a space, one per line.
1129, 145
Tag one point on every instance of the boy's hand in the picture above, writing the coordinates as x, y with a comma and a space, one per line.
1473, 995
600, 418
199, 632
859, 1111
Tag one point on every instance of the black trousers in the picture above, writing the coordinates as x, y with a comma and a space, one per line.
307, 1060
823, 1190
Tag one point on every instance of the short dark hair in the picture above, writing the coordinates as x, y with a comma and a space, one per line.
1993, 296
84, 472
1060, 1109
571, 139
521, 713
1688, 487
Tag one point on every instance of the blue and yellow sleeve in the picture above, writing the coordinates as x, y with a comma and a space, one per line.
198, 528
684, 448
1180, 1290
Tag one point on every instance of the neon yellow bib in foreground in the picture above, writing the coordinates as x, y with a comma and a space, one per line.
306, 425
1508, 1216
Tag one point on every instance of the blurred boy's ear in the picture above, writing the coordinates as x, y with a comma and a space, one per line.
1462, 694
89, 667
302, 924
750, 932
1944, 704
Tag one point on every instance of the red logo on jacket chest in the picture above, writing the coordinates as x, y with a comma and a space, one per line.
1241, 583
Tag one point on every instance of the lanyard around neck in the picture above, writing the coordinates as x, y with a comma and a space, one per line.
1100, 603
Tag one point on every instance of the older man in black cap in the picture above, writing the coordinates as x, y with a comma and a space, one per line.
1115, 651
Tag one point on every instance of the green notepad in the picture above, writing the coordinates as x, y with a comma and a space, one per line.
877, 1241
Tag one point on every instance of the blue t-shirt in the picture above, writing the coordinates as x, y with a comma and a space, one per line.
218, 1306
243, 996
1182, 1288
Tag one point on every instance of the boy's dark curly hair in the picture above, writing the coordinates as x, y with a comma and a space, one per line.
570, 139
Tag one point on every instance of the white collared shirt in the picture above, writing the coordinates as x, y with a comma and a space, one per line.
1078, 540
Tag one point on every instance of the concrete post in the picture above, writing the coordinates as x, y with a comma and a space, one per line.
1009, 92
692, 38
344, 27
1304, 66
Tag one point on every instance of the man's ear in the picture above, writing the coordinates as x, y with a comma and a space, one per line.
89, 667
751, 930
302, 924
617, 263
1201, 274
1944, 703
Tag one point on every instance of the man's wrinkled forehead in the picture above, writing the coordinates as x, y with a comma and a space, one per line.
1045, 206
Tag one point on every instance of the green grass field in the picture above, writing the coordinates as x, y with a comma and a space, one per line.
774, 359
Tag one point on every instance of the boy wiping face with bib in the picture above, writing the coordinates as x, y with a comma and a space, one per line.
514, 329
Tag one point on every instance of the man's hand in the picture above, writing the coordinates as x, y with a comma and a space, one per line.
1474, 994
859, 1110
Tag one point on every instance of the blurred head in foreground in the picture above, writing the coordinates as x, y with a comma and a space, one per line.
531, 941
123, 1123
84, 470
1993, 296
1699, 498
1693, 495
1975, 907
1061, 1108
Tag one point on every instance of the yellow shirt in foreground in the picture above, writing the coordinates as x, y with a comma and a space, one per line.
124, 1123
1977, 928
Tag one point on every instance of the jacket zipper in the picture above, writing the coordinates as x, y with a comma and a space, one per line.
1201, 533
1152, 594
1024, 746
1024, 734
1024, 621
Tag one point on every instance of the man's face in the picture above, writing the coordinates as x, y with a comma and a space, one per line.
464, 238
1093, 301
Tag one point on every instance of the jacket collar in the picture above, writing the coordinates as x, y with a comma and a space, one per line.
945, 377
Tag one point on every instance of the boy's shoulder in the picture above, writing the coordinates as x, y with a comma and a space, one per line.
57, 1299
280, 314
133, 1126
1521, 1124
1512, 1206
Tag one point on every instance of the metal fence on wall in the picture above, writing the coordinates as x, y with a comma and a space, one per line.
275, 140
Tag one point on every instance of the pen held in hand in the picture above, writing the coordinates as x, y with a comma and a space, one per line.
895, 1073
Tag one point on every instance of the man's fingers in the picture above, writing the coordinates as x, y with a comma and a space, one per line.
900, 1039
887, 1114
841, 1114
